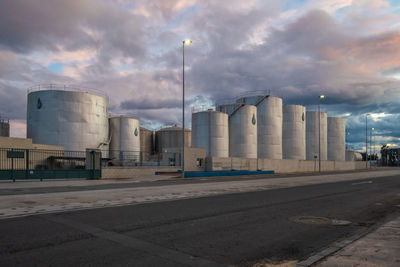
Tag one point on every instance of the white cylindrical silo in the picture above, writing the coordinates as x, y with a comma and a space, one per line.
269, 132
313, 133
75, 120
336, 139
243, 132
125, 138
294, 132
210, 131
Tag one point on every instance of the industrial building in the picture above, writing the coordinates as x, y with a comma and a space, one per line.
251, 132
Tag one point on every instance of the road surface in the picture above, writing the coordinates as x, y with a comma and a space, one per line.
232, 227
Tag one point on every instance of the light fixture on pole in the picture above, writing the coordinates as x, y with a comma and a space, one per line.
371, 146
319, 131
366, 140
187, 42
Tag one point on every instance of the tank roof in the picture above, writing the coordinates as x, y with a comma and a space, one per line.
173, 128
67, 88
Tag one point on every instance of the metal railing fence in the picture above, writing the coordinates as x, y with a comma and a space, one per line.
139, 158
48, 164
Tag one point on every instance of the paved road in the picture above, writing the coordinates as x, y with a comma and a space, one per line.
226, 229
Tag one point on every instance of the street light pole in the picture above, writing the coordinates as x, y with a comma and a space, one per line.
371, 145
183, 105
366, 141
319, 132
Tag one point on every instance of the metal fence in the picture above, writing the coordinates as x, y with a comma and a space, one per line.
139, 158
47, 164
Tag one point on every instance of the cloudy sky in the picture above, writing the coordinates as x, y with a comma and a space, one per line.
348, 50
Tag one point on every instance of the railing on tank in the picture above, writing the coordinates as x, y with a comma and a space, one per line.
201, 108
60, 87
139, 158
228, 101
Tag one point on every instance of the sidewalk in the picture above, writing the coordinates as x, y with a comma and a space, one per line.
378, 248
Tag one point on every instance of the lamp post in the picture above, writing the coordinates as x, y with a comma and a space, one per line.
366, 140
319, 131
370, 145
187, 42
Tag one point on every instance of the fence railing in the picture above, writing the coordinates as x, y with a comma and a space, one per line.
48, 164
139, 158
32, 159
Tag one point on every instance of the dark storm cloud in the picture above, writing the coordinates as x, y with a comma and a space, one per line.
16, 72
27, 26
140, 103
12, 101
310, 56
238, 46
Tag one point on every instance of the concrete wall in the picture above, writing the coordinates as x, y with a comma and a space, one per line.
192, 156
25, 143
133, 172
279, 166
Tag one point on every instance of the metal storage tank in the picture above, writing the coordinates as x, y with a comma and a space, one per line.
269, 132
352, 155
4, 128
125, 138
312, 133
294, 132
146, 142
68, 117
243, 132
210, 131
171, 137
336, 139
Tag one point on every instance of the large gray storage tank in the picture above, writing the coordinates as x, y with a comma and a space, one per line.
125, 139
269, 132
75, 120
210, 131
294, 132
243, 132
4, 128
312, 135
352, 155
146, 143
171, 137
336, 139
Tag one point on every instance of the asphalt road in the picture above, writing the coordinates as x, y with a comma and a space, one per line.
163, 181
234, 229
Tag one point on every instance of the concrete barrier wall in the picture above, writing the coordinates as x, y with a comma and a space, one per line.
134, 172
280, 166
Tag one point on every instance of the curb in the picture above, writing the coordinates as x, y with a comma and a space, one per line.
336, 246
